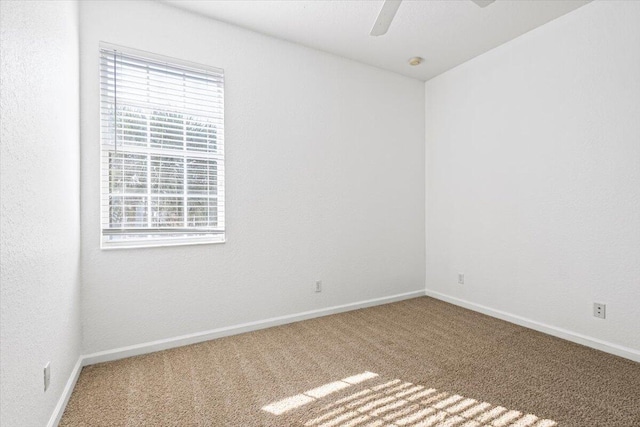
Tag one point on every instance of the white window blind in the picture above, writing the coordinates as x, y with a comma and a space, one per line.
162, 150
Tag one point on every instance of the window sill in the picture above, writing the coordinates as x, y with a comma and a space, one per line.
160, 243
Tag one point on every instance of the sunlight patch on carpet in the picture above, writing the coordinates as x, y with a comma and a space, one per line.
397, 403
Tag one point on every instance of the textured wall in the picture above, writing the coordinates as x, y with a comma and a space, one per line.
40, 206
325, 180
533, 175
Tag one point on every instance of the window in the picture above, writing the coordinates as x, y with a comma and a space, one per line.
162, 150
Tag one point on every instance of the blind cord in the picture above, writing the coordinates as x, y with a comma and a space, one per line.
115, 104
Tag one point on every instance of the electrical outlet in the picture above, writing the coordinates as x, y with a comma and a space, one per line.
47, 375
460, 278
318, 286
599, 310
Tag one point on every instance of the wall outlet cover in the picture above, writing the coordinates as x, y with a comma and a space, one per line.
599, 310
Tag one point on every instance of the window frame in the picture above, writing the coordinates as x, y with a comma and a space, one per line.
181, 235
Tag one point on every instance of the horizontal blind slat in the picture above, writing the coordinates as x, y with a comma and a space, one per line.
131, 80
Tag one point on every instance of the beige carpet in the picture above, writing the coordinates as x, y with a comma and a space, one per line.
419, 362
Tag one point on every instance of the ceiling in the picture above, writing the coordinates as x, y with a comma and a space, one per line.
445, 33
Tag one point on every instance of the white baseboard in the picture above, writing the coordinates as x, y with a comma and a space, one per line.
66, 394
153, 346
618, 350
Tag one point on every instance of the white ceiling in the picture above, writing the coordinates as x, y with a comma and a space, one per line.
445, 33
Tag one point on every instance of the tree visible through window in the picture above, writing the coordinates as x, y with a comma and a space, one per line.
162, 151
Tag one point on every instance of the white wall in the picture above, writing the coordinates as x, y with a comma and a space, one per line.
325, 181
40, 232
533, 175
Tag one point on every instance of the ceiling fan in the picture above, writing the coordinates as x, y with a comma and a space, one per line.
389, 9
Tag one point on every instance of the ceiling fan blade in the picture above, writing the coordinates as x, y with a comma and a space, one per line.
483, 3
388, 11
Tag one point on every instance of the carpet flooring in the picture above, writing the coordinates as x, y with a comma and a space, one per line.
419, 362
